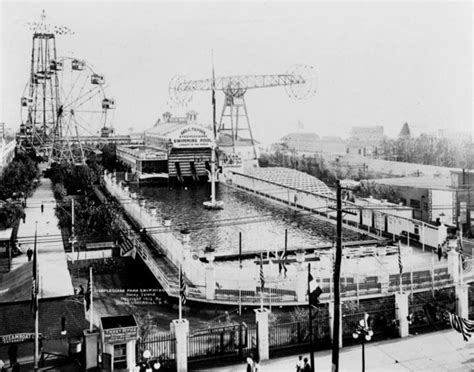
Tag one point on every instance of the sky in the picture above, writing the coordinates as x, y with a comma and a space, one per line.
376, 63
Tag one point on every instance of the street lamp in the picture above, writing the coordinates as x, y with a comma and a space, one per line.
363, 329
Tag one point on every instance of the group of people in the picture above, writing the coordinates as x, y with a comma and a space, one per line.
302, 365
253, 364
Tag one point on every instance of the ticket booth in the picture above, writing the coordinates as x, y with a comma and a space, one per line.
119, 335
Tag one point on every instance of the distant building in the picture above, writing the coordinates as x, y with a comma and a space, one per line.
405, 131
437, 199
175, 147
455, 136
365, 141
309, 142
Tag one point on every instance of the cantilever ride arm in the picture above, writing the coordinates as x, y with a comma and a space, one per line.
241, 82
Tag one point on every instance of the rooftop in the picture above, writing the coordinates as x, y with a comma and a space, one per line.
291, 178
426, 182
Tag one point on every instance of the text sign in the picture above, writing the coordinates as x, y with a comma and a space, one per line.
18, 337
192, 137
120, 334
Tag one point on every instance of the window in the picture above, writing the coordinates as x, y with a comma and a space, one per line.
120, 356
415, 203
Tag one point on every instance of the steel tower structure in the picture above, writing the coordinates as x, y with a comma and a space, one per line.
234, 123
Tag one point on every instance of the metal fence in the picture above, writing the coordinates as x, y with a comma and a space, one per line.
426, 309
382, 315
229, 342
161, 347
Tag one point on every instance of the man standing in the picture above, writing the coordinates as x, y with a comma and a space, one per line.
29, 253
307, 366
300, 364
13, 354
42, 208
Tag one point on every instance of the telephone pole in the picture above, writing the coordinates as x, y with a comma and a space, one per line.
337, 276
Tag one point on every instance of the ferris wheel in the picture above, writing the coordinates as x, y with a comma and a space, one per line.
65, 107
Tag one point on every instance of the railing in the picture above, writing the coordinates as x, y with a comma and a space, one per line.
231, 341
162, 348
426, 309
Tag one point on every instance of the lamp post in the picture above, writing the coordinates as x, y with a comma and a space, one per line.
363, 329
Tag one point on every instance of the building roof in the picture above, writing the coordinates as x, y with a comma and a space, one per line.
427, 182
305, 136
291, 178
16, 285
18, 317
119, 321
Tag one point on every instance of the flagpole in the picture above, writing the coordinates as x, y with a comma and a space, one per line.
180, 306
240, 266
35, 265
310, 321
261, 286
400, 265
91, 317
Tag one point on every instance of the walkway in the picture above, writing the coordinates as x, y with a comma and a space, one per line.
440, 351
55, 280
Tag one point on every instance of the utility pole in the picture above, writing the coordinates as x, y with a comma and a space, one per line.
337, 276
310, 316
73, 235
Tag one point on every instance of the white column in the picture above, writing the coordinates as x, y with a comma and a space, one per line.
462, 300
401, 313
91, 348
331, 323
180, 328
453, 265
210, 282
131, 362
261, 318
302, 284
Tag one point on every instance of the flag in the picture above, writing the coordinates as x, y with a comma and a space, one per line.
400, 264
34, 289
182, 287
262, 277
463, 326
281, 263
314, 291
213, 100
88, 295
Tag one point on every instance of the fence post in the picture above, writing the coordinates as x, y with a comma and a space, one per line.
180, 329
462, 300
210, 282
261, 318
331, 323
401, 310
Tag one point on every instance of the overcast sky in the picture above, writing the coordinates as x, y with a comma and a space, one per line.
377, 63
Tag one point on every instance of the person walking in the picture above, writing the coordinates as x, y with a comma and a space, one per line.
307, 366
13, 354
300, 364
29, 253
440, 252
249, 364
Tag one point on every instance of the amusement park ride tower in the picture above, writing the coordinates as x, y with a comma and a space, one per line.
64, 100
234, 124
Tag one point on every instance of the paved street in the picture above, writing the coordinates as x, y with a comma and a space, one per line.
55, 280
440, 351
